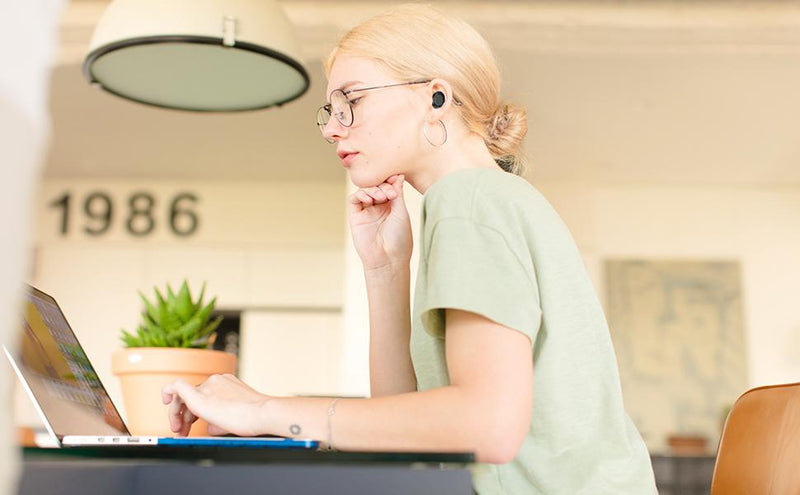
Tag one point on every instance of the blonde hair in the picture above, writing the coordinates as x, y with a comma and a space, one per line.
416, 41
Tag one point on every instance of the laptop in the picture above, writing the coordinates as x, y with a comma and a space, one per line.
72, 402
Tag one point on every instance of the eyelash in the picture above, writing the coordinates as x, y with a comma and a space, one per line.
355, 101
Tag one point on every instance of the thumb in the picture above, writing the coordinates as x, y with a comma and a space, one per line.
397, 185
216, 430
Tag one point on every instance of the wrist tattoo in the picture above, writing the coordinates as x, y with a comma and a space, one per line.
295, 429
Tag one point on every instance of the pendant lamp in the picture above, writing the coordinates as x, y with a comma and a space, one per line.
197, 55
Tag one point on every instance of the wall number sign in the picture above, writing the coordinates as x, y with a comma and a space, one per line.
140, 213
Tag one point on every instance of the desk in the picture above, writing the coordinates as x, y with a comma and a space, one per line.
683, 475
202, 471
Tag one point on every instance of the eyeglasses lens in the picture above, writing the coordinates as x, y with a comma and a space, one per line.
339, 108
323, 116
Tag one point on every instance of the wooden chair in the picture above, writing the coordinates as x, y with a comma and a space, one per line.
759, 452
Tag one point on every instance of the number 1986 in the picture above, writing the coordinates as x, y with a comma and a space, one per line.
139, 216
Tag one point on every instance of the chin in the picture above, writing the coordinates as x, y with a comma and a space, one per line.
364, 181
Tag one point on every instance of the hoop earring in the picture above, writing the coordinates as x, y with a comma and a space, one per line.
444, 130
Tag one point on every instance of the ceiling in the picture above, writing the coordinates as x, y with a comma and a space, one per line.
648, 92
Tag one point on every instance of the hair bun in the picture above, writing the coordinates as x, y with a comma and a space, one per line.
499, 123
504, 133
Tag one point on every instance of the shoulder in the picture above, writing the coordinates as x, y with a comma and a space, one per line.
485, 179
479, 195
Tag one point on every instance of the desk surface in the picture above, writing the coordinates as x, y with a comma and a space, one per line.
204, 471
245, 454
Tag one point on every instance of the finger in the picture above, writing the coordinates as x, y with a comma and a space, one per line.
188, 395
175, 421
188, 419
175, 404
388, 190
181, 388
364, 198
358, 197
397, 181
354, 204
382, 193
181, 423
167, 393
377, 194
175, 416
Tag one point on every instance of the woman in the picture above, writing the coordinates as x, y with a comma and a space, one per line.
503, 305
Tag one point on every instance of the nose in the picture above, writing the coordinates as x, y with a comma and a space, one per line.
333, 131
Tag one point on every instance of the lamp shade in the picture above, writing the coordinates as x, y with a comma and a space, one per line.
199, 55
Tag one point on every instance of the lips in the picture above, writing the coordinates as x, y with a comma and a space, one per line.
346, 156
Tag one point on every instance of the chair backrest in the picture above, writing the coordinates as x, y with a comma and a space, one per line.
759, 452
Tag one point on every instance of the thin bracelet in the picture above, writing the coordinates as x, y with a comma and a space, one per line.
331, 412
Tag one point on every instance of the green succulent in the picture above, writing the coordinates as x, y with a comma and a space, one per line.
174, 321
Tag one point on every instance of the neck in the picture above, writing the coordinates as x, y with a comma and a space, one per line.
469, 151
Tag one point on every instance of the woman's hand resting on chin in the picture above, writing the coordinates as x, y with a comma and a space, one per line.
380, 225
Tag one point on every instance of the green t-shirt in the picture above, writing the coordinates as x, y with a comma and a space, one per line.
491, 244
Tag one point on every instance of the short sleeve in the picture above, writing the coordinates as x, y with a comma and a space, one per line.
471, 267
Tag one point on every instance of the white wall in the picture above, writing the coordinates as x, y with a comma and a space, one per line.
759, 227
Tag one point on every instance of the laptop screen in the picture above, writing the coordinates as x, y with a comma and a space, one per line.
60, 376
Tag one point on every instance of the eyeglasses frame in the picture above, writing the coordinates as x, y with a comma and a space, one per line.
327, 107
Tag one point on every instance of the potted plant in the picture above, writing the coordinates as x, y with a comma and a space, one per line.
172, 341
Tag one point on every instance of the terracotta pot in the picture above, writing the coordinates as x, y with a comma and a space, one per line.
143, 371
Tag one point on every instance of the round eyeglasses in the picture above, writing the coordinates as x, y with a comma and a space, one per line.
341, 107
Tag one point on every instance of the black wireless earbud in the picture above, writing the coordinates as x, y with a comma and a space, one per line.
438, 99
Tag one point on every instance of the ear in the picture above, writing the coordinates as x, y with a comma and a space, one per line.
440, 99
